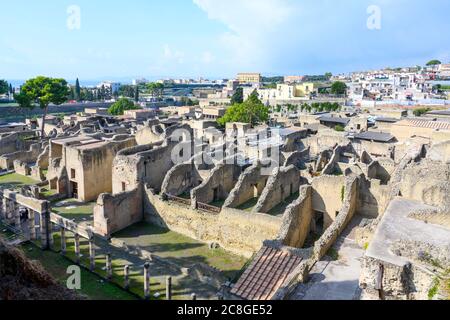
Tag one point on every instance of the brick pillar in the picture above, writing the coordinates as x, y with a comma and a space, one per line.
63, 241
126, 276
108, 266
91, 254
147, 280
77, 248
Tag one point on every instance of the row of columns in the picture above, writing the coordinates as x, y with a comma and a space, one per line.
9, 210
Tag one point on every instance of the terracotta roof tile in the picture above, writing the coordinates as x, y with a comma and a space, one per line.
266, 274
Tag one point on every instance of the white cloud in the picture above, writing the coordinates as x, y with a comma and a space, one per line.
252, 25
173, 55
207, 57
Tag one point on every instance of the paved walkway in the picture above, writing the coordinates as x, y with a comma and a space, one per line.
335, 280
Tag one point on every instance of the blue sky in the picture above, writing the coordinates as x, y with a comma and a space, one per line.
217, 38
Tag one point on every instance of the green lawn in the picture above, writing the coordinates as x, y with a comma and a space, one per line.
157, 284
74, 210
91, 285
14, 181
180, 249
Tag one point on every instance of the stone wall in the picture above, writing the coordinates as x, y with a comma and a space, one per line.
440, 152
297, 220
146, 164
181, 178
297, 158
428, 182
250, 185
93, 167
222, 179
113, 213
7, 160
325, 201
326, 241
383, 280
13, 142
236, 231
283, 183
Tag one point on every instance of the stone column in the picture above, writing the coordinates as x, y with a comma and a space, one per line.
44, 226
32, 225
126, 276
147, 280
51, 240
63, 241
169, 288
108, 266
91, 254
17, 221
77, 248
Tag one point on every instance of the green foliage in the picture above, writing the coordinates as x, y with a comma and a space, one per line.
118, 108
189, 102
77, 90
42, 91
252, 111
333, 254
238, 96
433, 63
343, 193
4, 87
434, 289
127, 91
338, 87
421, 111
339, 128
366, 246
156, 90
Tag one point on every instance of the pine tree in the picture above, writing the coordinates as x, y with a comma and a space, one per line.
77, 90
136, 94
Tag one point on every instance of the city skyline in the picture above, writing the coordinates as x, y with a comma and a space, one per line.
216, 39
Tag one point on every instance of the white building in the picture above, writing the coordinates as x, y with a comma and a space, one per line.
113, 86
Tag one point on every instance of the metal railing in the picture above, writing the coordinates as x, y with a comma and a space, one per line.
208, 208
179, 200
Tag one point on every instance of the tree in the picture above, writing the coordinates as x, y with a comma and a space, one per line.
156, 90
338, 87
238, 96
328, 75
433, 63
421, 111
119, 108
4, 87
136, 94
252, 111
42, 91
77, 90
11, 89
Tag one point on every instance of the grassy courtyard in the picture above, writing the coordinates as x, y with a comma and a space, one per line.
74, 210
181, 287
92, 286
14, 181
180, 249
